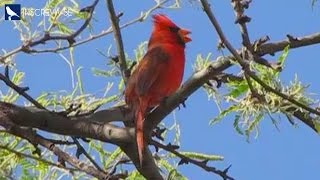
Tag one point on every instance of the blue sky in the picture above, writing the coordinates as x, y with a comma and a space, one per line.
291, 153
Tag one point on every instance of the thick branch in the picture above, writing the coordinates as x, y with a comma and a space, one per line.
149, 170
54, 123
118, 113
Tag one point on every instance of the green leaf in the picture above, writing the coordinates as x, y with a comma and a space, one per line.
174, 174
135, 175
224, 113
202, 156
317, 126
121, 85
105, 73
141, 50
17, 77
166, 165
43, 99
284, 55
54, 3
3, 2
254, 124
201, 62
80, 80
103, 101
63, 28
98, 146
113, 157
239, 89
236, 124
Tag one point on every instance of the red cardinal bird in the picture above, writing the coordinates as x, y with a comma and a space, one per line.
159, 73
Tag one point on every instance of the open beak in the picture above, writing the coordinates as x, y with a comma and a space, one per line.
184, 34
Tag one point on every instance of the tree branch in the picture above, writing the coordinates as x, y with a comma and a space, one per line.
150, 169
273, 47
51, 122
47, 37
244, 64
242, 19
201, 164
190, 86
80, 126
36, 139
117, 35
21, 91
141, 18
81, 150
38, 159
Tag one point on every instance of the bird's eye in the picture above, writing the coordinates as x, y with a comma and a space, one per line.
174, 29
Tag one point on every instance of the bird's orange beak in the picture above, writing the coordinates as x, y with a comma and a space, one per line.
184, 34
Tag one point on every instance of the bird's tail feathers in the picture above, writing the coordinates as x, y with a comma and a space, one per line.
140, 131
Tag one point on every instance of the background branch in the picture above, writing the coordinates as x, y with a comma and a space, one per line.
244, 64
47, 37
141, 18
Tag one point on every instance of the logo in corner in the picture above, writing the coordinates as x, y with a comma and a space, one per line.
12, 12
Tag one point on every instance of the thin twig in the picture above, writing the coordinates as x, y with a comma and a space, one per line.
201, 164
119, 161
141, 18
37, 159
242, 19
70, 38
47, 37
60, 142
21, 91
63, 157
118, 37
83, 151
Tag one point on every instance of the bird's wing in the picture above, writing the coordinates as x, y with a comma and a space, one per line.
153, 63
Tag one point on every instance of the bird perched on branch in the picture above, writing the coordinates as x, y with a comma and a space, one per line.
159, 73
